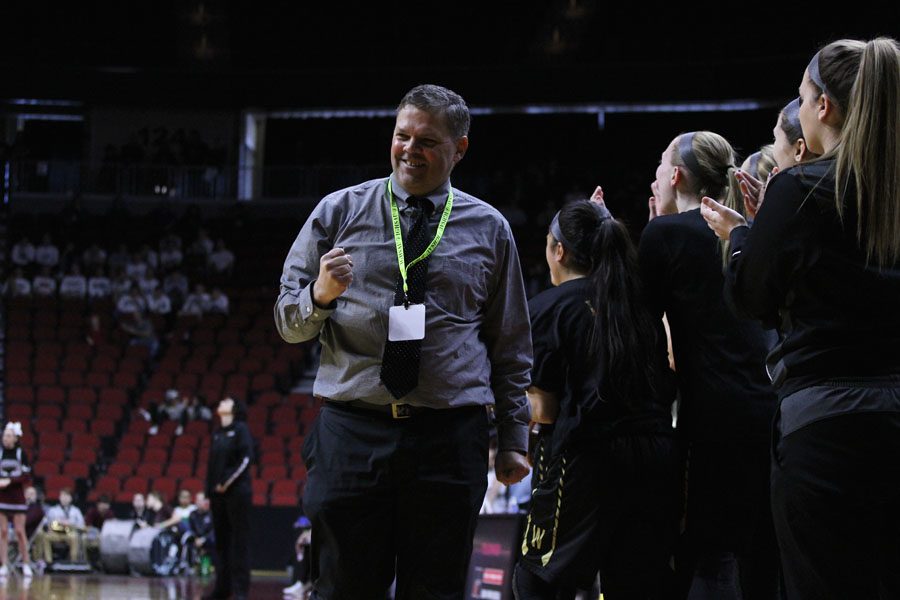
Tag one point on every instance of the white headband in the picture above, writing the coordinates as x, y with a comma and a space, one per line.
15, 427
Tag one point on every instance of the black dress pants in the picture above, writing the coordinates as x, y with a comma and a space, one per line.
836, 502
231, 524
393, 497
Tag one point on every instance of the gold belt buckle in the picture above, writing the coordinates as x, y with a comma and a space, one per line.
400, 411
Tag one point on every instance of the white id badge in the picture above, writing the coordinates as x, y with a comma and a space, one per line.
406, 323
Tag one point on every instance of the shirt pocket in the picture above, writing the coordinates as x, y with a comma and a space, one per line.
456, 288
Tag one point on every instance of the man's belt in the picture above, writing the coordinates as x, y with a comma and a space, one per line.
394, 411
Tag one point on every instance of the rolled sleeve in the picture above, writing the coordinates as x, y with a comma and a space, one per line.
297, 317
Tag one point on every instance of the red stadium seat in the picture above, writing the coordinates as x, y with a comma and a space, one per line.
260, 486
194, 484
74, 426
113, 396
87, 455
198, 428
129, 456
43, 468
149, 470
135, 485
132, 441
157, 455
75, 362
53, 439
49, 411
126, 380
19, 412
178, 470
85, 440
18, 377
23, 394
273, 472
97, 379
50, 395
82, 396
80, 411
197, 365
287, 428
76, 469
103, 427
104, 364
107, 484
56, 454
271, 457
271, 443
298, 473
166, 486
120, 470
54, 483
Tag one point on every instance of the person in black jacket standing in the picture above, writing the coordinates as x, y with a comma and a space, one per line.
228, 488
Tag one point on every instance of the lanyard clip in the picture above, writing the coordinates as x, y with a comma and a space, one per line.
405, 300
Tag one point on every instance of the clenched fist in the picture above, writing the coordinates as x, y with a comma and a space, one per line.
335, 275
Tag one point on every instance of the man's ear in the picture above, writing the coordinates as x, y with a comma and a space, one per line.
462, 144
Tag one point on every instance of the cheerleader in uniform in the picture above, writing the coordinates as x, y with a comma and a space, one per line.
15, 474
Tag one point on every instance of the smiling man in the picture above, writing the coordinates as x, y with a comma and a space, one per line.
415, 292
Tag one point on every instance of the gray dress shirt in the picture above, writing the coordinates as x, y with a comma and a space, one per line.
477, 346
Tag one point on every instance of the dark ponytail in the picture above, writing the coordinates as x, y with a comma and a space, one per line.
623, 337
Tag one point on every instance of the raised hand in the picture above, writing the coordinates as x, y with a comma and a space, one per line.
335, 276
720, 219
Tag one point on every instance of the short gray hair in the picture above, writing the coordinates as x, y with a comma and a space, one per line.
435, 99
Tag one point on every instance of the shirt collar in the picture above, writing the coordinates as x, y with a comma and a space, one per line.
437, 197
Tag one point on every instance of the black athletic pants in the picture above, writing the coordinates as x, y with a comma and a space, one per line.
231, 523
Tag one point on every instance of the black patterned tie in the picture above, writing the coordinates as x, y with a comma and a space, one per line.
400, 363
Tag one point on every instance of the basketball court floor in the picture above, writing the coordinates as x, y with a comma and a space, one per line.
55, 586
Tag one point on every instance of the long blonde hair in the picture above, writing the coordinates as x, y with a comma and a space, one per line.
863, 80
713, 174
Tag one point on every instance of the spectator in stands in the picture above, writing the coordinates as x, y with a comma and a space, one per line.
131, 304
218, 302
68, 258
141, 331
19, 285
140, 513
119, 258
44, 284
98, 285
197, 410
199, 538
149, 257
158, 303
221, 260
46, 254
94, 519
180, 513
34, 514
23, 253
15, 472
93, 257
197, 303
170, 256
171, 410
136, 267
202, 246
148, 282
65, 524
96, 334
176, 287
99, 513
156, 502
121, 284
74, 285
301, 562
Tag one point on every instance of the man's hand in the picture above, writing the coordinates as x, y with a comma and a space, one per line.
221, 488
335, 275
510, 467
